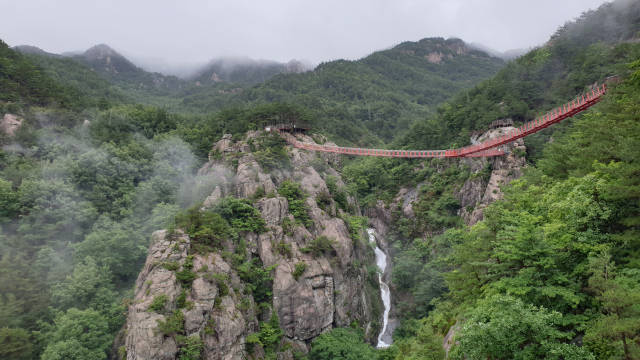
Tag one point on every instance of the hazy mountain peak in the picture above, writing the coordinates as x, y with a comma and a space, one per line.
245, 70
28, 49
506, 55
437, 50
100, 52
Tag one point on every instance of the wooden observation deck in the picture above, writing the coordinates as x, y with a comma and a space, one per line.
501, 123
295, 127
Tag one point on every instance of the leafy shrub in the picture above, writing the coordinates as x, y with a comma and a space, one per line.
300, 268
220, 280
191, 347
282, 248
173, 325
181, 300
217, 303
323, 199
122, 352
295, 195
373, 272
340, 198
356, 226
252, 340
273, 153
204, 227
317, 246
171, 265
259, 281
240, 214
531, 330
158, 303
298, 355
237, 137
186, 275
270, 333
200, 249
332, 184
341, 344
259, 194
76, 334
210, 326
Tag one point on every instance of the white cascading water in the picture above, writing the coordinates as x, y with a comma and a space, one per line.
381, 261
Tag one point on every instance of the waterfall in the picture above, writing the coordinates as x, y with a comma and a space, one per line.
381, 261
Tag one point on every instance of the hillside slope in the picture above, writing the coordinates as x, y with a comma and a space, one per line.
553, 265
368, 101
21, 81
365, 102
245, 71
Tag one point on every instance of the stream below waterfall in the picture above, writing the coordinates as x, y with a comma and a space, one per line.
381, 261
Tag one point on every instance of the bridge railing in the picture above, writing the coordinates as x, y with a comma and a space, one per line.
485, 148
556, 115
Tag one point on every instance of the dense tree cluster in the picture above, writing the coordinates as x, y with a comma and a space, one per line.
552, 271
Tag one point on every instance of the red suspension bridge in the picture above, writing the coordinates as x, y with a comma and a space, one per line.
485, 148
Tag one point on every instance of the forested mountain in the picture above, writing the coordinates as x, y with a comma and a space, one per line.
22, 81
552, 271
91, 167
245, 71
123, 73
366, 102
578, 55
363, 102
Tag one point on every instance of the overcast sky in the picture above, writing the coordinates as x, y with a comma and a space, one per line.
157, 34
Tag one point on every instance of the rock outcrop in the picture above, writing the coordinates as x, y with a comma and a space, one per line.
10, 123
477, 192
273, 210
250, 177
331, 291
228, 323
480, 190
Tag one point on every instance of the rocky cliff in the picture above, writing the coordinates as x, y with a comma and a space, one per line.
481, 188
474, 195
311, 293
477, 193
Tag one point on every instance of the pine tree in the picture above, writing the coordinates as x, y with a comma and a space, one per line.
619, 296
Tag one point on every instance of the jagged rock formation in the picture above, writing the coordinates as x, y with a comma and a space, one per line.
477, 193
232, 322
474, 196
331, 292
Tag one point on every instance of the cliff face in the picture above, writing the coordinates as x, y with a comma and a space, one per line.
477, 193
233, 319
333, 290
474, 195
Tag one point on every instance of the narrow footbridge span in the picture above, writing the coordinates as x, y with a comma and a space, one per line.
485, 148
